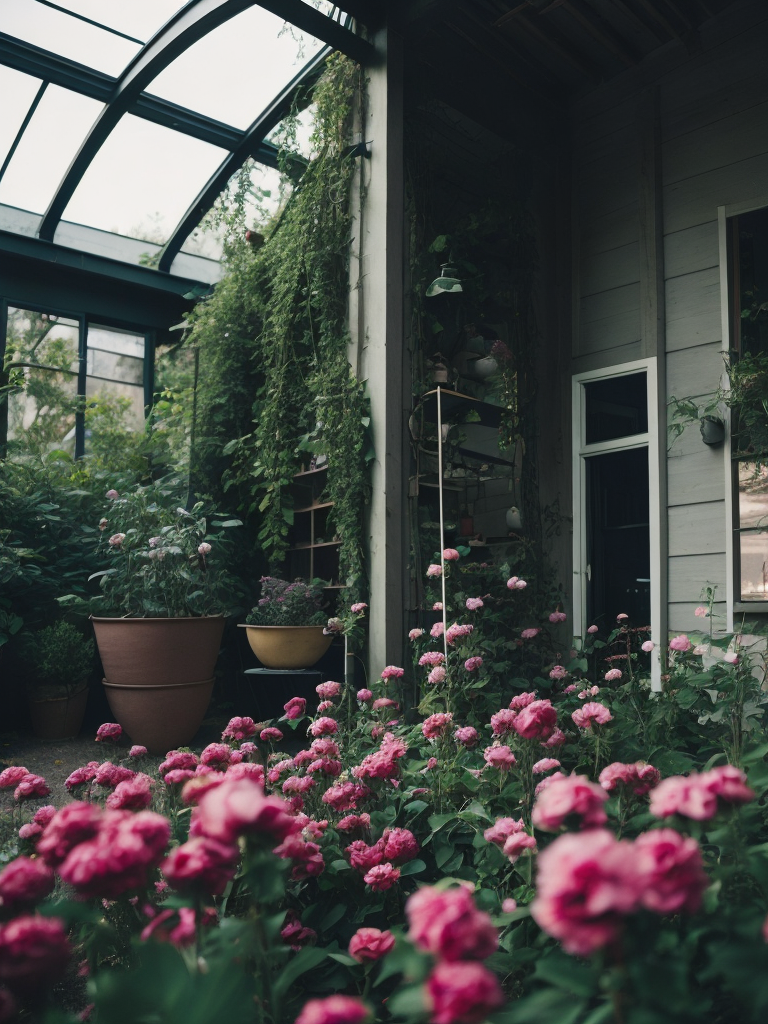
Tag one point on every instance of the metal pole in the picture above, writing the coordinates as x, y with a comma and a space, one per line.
442, 517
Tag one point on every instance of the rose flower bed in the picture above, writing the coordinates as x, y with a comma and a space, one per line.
580, 851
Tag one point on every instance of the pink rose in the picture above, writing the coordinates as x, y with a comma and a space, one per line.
334, 1010
328, 690
729, 784
509, 906
116, 540
558, 672
382, 877
500, 757
591, 714
110, 730
647, 646
201, 864
546, 764
75, 823
502, 829
363, 857
558, 617
384, 702
503, 722
451, 555
473, 664
458, 631
110, 775
701, 612
11, 777
204, 548
638, 778
239, 728
517, 844
119, 857
474, 603
246, 770
592, 629
270, 735
414, 634
621, 617
434, 570
437, 675
131, 794
463, 993
137, 751
432, 658
436, 725
400, 845
30, 787
178, 776
23, 882
671, 871
364, 696
530, 633
324, 727
566, 796
557, 739
586, 884
178, 759
680, 643
536, 720
34, 951
468, 736
612, 675
358, 607
345, 795
689, 797
295, 708
369, 944
239, 807
112, 494
437, 630
216, 755
447, 923
522, 700
353, 822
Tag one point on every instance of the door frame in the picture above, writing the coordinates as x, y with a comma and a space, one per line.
581, 451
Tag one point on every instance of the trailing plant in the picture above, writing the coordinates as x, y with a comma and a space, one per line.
280, 316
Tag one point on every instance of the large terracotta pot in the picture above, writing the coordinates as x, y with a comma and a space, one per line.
288, 647
58, 718
159, 675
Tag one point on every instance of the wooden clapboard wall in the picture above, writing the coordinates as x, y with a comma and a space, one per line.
706, 102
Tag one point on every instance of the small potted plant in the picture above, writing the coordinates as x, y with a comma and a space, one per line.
160, 615
286, 627
58, 661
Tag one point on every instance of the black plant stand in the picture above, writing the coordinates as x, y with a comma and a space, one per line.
264, 691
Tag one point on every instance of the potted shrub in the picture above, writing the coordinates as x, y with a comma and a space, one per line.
286, 629
58, 661
160, 614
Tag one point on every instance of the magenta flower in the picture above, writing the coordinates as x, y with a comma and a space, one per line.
392, 672
270, 735
546, 764
436, 725
23, 882
432, 658
500, 757
592, 629
328, 690
451, 555
204, 548
437, 630
324, 727
137, 751
647, 646
364, 695
437, 675
30, 787
295, 708
517, 844
434, 569
11, 777
467, 736
474, 603
473, 664
457, 632
370, 944
334, 1010
448, 924
680, 643
414, 634
591, 714
530, 633
462, 993
612, 675
109, 731
557, 617
358, 607
382, 877
502, 829
558, 672
567, 796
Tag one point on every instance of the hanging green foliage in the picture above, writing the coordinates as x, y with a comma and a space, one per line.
275, 379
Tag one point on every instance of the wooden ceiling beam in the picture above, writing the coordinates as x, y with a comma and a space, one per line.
601, 31
500, 42
549, 39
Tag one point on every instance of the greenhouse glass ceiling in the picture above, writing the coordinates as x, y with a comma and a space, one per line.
122, 121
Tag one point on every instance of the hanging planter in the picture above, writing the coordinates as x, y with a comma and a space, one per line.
287, 647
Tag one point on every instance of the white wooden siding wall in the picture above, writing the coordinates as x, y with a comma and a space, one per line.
714, 152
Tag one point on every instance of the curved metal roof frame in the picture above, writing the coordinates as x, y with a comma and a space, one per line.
250, 146
188, 25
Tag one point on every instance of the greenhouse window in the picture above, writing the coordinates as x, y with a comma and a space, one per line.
69, 381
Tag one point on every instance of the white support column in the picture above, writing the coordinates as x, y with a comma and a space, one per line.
376, 320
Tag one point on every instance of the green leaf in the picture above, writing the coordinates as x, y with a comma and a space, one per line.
413, 867
305, 960
566, 973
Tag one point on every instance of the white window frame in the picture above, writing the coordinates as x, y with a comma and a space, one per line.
581, 452
733, 607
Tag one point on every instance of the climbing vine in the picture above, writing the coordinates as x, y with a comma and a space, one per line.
277, 382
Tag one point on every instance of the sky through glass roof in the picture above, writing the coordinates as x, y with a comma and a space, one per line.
145, 176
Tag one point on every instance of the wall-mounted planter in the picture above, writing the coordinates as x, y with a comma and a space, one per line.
288, 647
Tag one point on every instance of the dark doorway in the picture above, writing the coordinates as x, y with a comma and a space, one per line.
618, 537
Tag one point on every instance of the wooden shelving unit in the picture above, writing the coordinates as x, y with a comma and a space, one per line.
314, 551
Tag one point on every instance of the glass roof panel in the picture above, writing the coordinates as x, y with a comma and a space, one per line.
139, 18
53, 30
236, 70
142, 180
51, 140
18, 90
